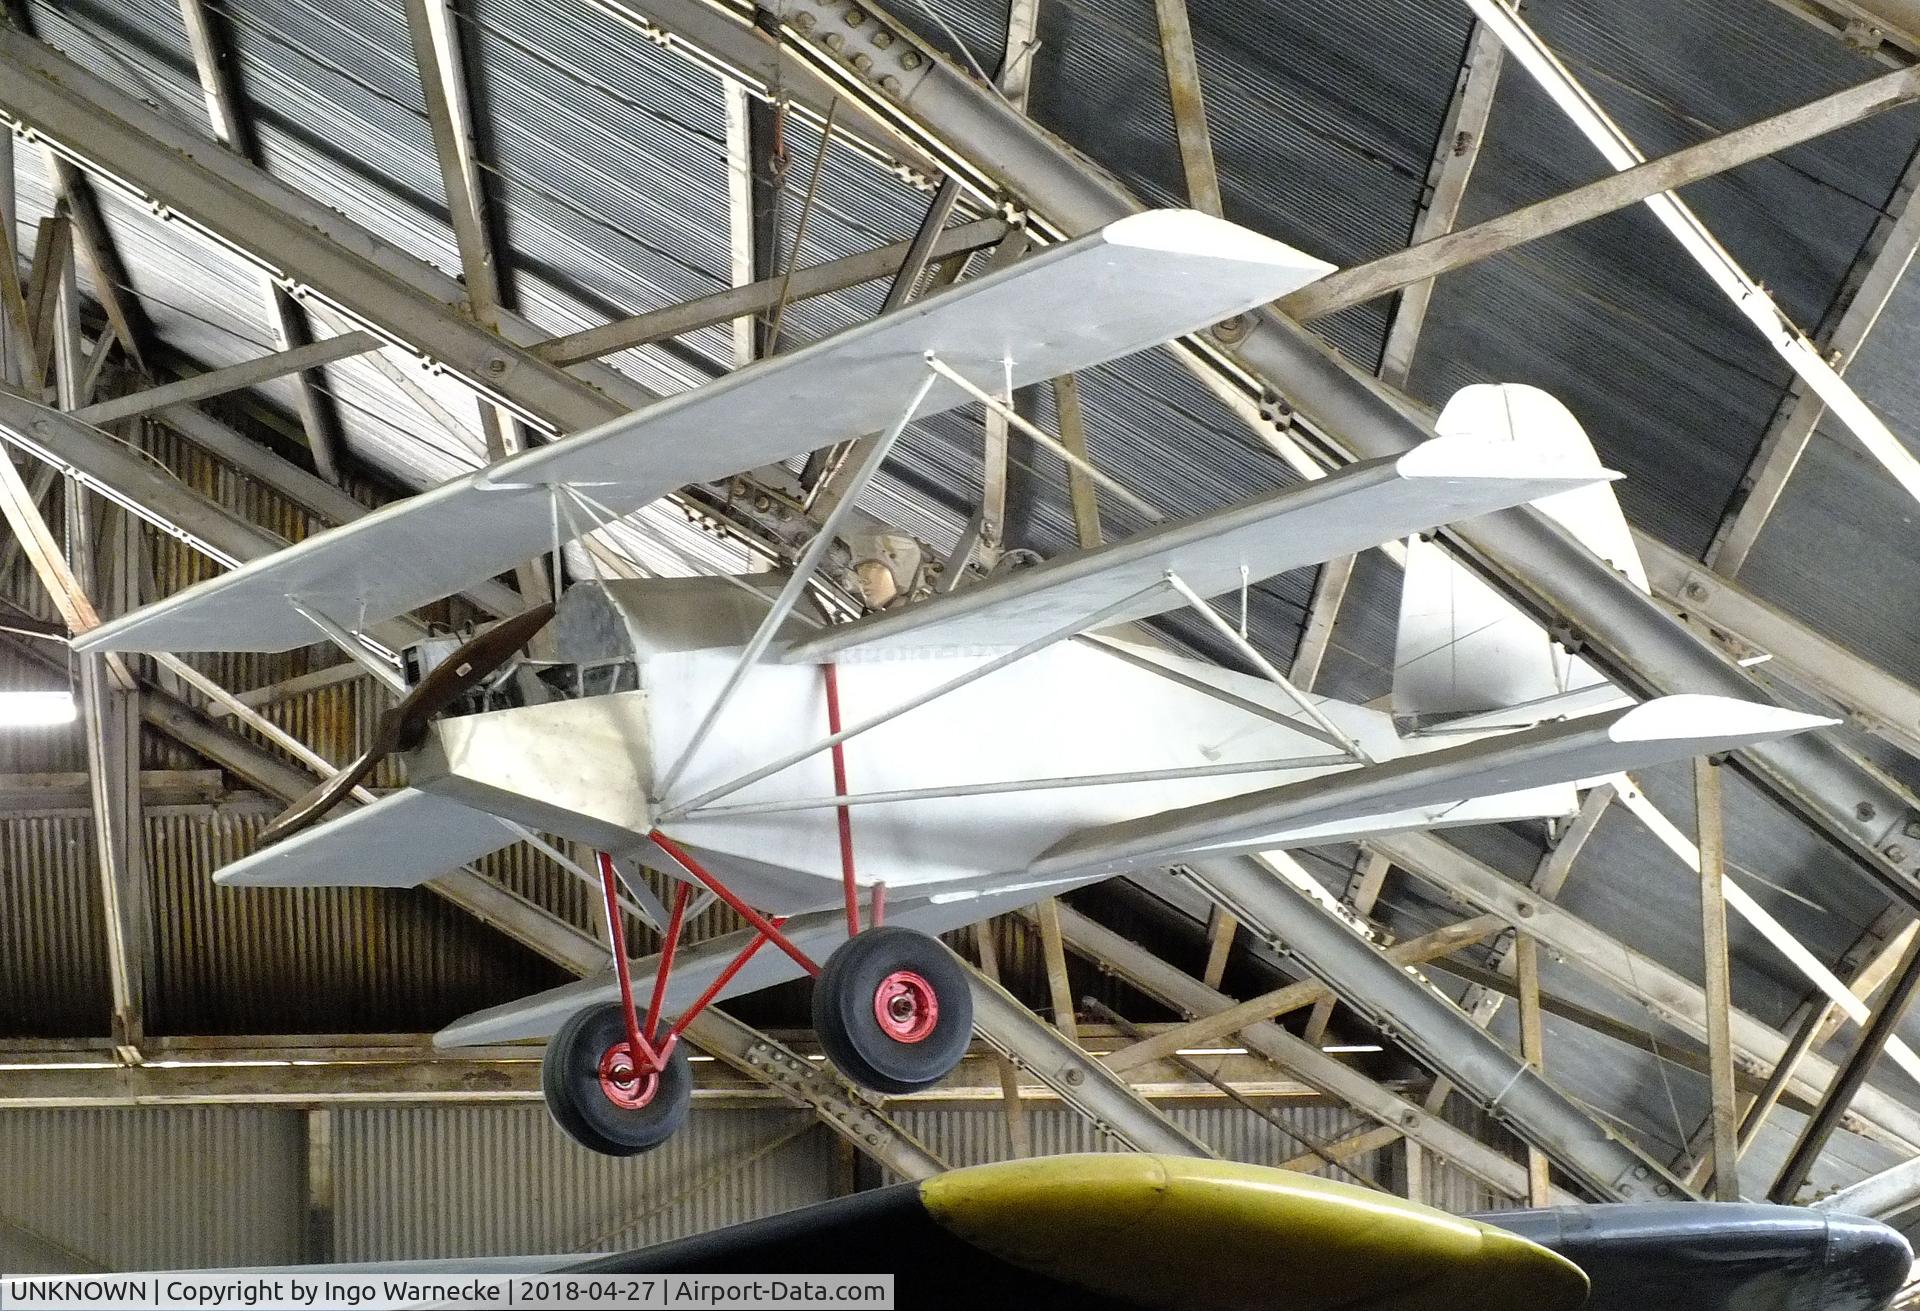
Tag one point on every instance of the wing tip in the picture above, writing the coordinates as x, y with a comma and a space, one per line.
1193, 232
1706, 716
1469, 455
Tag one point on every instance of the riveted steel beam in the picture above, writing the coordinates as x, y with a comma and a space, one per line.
1663, 993
1081, 1080
1434, 1030
1192, 998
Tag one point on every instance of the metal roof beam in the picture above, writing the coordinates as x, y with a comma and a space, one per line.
1876, 699
1740, 288
1887, 30
1870, 284
1847, 1081
42, 795
1617, 191
188, 1071
759, 298
232, 128
1023, 39
1881, 1196
314, 251
743, 245
218, 382
1296, 996
1665, 994
726, 43
1193, 998
109, 701
1189, 106
443, 83
1433, 1030
1723, 1116
1060, 1063
1462, 134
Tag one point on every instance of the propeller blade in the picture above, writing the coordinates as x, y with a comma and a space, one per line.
310, 809
403, 727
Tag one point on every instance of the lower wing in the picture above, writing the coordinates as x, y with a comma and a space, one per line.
1666, 729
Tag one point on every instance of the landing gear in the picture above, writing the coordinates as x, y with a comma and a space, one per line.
604, 1097
892, 1010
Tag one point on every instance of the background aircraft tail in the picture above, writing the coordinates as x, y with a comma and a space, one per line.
1464, 650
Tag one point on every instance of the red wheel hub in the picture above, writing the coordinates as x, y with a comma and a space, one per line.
905, 1006
624, 1081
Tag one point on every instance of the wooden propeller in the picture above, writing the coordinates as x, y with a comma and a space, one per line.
405, 726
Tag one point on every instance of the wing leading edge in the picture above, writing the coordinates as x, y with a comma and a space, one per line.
1136, 283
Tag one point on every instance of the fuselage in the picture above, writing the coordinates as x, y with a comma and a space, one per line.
1087, 707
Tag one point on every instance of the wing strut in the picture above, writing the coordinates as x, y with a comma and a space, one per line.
803, 572
1266, 666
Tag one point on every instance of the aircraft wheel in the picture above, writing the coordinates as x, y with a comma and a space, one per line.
599, 1095
893, 1010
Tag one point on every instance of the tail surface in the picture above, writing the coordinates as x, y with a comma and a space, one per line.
1465, 650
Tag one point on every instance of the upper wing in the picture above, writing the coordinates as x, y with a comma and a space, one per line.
1138, 282
1126, 1229
400, 841
1668, 728
1438, 482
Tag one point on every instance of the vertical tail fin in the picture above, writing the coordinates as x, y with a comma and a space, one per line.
1463, 649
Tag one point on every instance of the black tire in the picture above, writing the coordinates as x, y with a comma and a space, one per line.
855, 1040
580, 1104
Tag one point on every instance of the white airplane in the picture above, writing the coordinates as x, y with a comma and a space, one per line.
853, 788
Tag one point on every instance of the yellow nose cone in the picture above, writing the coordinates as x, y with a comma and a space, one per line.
1221, 1236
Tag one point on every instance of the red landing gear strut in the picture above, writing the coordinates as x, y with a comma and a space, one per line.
892, 1006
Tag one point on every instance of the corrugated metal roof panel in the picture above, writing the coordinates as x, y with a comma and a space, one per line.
53, 942
310, 960
1670, 381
